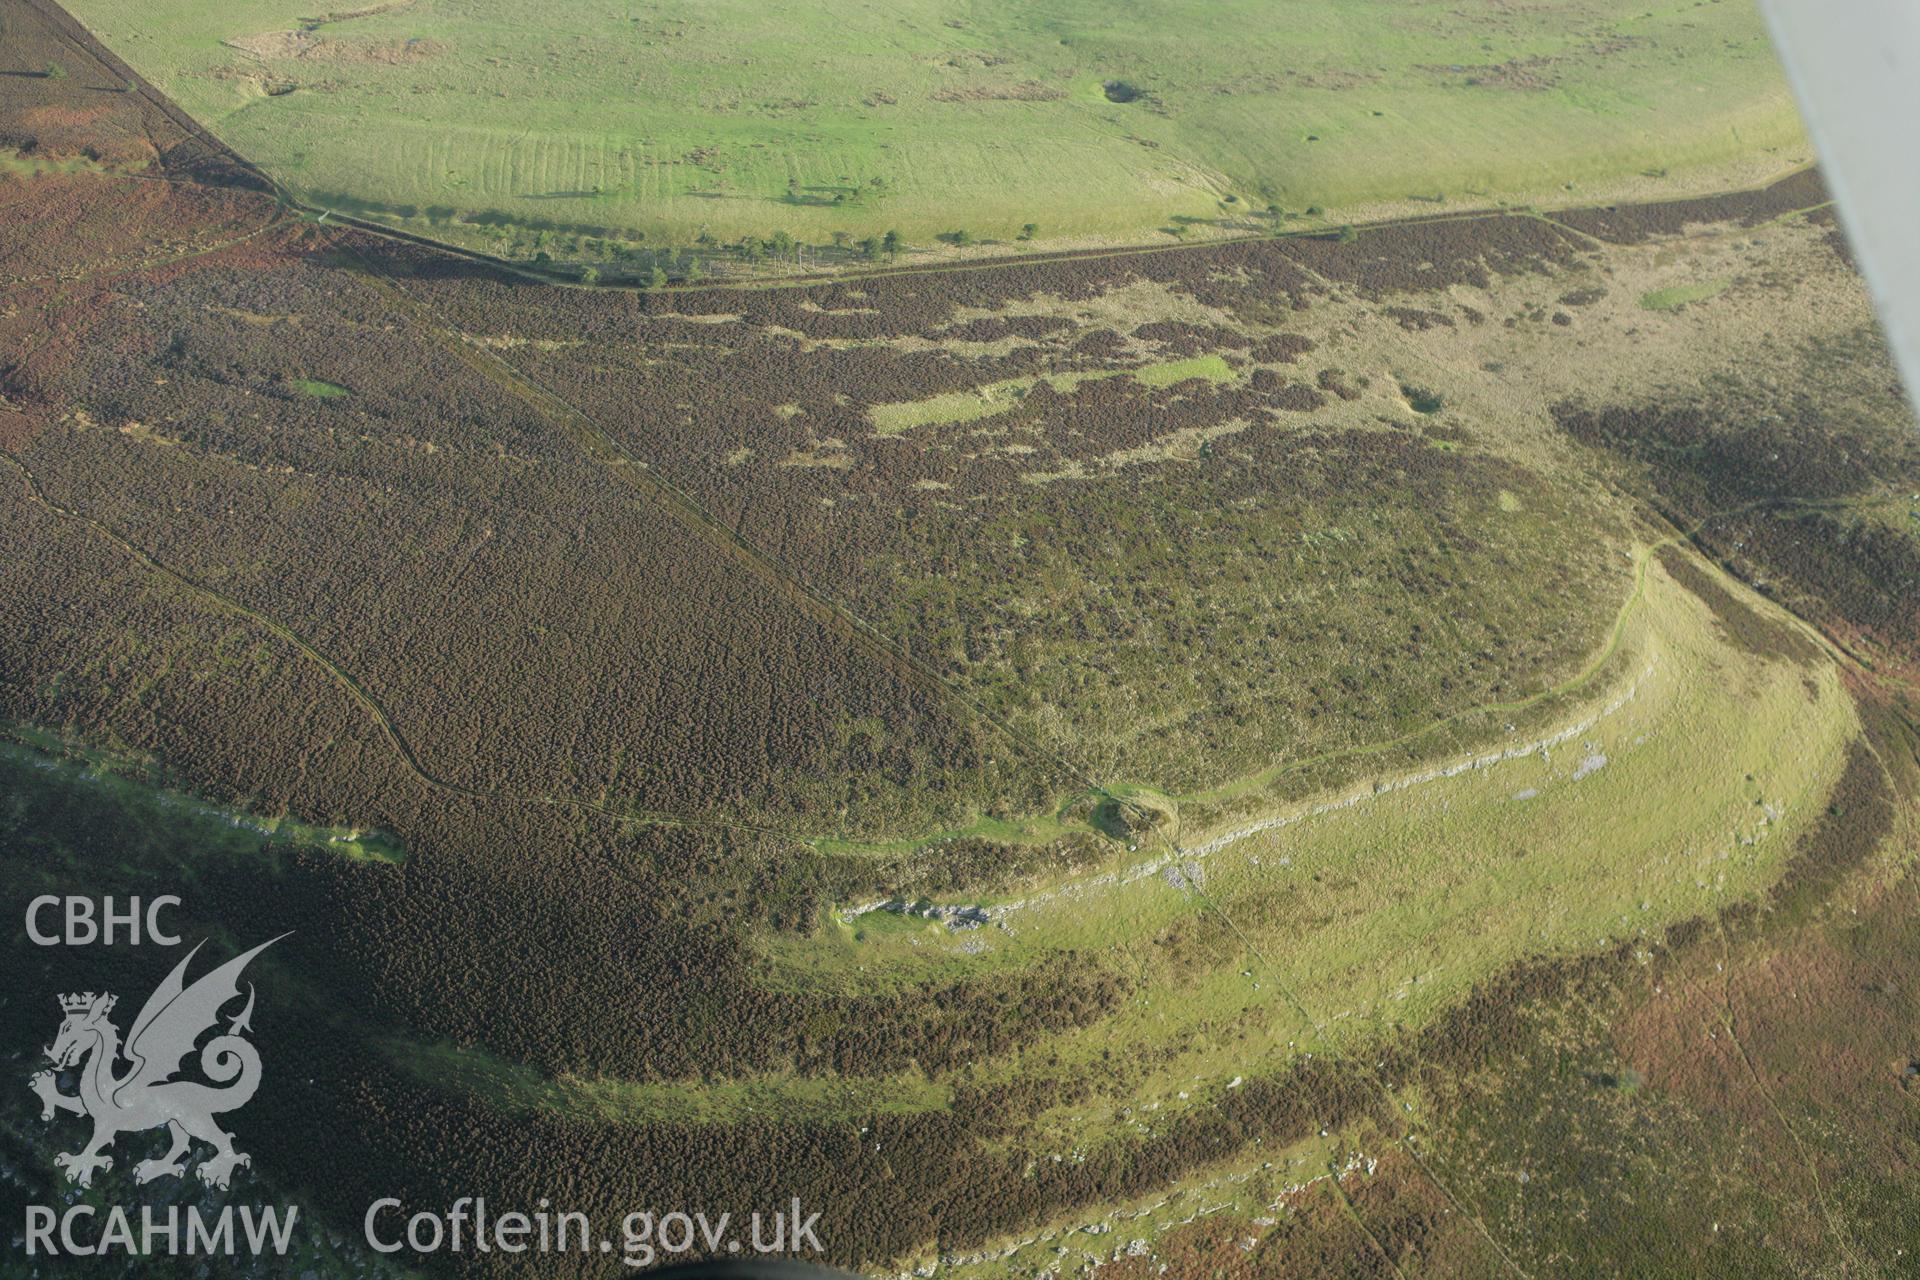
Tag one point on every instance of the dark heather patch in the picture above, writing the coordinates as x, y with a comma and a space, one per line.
1633, 224
1414, 319
1738, 622
1860, 813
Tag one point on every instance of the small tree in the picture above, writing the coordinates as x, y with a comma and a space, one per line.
781, 243
1347, 233
960, 238
1028, 230
656, 278
694, 270
870, 249
840, 239
55, 71
589, 276
891, 242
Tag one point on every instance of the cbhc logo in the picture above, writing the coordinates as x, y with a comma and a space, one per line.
82, 921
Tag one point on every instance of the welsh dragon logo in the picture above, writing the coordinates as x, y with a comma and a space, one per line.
145, 1096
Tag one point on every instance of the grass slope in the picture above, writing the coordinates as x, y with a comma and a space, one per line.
1665, 796
811, 117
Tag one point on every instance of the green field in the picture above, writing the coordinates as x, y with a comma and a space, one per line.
669, 120
1678, 296
996, 398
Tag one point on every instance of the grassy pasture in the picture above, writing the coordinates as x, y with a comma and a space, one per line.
735, 118
1677, 296
796, 1099
999, 397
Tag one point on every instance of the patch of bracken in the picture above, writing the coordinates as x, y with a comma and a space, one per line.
1334, 381
1416, 319
1180, 338
1435, 255
1279, 348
